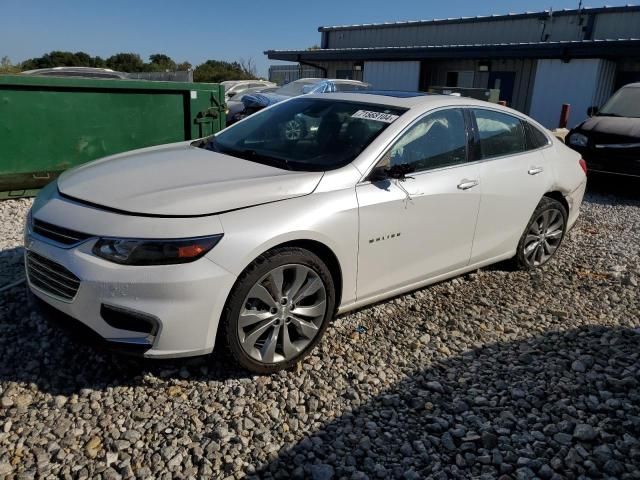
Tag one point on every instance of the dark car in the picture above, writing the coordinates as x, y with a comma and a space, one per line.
235, 107
609, 140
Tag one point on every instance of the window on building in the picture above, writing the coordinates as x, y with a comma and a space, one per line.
437, 140
460, 79
345, 74
500, 133
452, 79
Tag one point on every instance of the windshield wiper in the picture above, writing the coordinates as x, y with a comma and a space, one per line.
254, 156
248, 154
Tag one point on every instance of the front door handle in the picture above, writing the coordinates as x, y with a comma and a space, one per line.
467, 184
535, 170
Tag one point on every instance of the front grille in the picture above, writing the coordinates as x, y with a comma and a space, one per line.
58, 234
51, 277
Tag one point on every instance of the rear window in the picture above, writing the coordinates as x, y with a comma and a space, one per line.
500, 134
535, 138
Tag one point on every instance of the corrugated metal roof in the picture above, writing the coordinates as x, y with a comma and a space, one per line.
484, 18
566, 49
470, 45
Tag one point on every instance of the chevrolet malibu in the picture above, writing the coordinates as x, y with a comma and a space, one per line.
253, 241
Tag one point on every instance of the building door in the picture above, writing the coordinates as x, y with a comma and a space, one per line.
503, 81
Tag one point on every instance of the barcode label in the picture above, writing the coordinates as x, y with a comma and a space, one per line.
377, 116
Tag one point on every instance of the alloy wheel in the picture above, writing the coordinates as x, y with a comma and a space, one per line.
282, 313
544, 237
293, 130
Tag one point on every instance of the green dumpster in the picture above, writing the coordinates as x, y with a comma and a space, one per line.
50, 124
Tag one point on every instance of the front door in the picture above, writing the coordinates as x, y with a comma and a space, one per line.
423, 226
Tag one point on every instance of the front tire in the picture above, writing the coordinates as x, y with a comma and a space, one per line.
278, 310
543, 236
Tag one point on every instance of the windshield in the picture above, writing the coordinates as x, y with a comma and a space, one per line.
306, 134
624, 103
296, 88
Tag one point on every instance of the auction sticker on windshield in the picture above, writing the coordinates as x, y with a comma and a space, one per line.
377, 116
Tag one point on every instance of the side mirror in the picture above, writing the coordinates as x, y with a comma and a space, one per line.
396, 172
378, 174
591, 111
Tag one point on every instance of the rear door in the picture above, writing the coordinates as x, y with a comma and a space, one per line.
514, 175
423, 226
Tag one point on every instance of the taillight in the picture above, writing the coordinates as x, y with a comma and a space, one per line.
583, 164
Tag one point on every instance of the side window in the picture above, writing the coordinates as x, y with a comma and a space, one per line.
437, 140
535, 138
500, 133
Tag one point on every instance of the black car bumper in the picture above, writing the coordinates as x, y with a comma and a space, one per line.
617, 161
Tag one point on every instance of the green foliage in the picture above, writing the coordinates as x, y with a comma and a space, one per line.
210, 71
160, 62
215, 71
7, 67
62, 59
126, 62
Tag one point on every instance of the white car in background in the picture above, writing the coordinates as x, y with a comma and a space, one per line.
233, 87
255, 242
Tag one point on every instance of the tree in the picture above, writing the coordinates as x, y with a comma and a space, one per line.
160, 62
249, 67
6, 66
183, 67
59, 58
126, 62
218, 71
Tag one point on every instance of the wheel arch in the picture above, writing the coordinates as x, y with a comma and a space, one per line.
324, 252
556, 195
328, 256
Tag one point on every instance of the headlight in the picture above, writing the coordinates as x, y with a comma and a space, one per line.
129, 251
578, 140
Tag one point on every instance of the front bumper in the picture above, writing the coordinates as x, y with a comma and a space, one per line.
184, 302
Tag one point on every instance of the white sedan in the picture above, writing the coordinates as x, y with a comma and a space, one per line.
253, 241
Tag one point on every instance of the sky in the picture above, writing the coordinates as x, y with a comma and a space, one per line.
197, 30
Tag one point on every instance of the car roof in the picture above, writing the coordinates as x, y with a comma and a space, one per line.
407, 99
70, 69
336, 80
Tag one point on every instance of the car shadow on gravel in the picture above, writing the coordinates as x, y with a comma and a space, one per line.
612, 189
33, 350
559, 405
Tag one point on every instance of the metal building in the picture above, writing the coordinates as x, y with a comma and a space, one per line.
538, 60
282, 74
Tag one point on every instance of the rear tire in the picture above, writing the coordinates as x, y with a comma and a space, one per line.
543, 236
278, 310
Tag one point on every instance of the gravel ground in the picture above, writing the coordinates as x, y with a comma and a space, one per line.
496, 373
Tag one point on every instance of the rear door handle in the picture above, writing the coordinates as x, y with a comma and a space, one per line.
535, 170
467, 184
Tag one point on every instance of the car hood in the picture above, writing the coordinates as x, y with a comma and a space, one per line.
618, 126
182, 180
